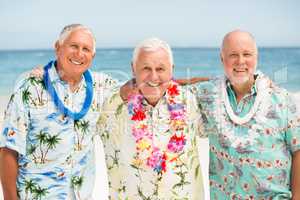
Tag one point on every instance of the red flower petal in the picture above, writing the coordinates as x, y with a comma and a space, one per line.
138, 115
173, 90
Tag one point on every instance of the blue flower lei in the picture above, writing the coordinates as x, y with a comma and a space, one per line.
59, 104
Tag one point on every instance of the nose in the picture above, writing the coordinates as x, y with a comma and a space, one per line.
154, 75
79, 52
241, 59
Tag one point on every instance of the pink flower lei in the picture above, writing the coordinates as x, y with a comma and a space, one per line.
153, 156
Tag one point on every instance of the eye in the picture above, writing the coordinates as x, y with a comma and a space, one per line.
146, 68
233, 55
160, 69
73, 46
247, 54
87, 50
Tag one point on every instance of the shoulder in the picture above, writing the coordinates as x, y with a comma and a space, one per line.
280, 94
283, 100
189, 95
103, 79
209, 86
26, 82
23, 90
114, 104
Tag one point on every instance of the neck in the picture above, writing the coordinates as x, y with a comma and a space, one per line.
152, 101
72, 80
241, 90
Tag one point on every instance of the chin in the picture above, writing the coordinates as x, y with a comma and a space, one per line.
240, 80
152, 95
151, 91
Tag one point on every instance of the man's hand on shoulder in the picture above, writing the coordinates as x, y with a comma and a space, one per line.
128, 88
37, 72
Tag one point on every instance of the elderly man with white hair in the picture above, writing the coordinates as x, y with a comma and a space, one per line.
253, 128
150, 141
47, 149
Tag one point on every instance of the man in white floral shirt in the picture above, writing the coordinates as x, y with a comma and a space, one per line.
150, 142
47, 149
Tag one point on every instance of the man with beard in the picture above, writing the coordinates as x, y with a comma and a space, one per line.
253, 128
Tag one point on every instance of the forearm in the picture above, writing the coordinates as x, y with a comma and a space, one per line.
8, 173
295, 182
191, 80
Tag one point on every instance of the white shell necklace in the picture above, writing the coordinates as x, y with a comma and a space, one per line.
263, 88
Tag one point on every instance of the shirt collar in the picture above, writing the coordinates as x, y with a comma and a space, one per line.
55, 78
54, 75
253, 90
160, 102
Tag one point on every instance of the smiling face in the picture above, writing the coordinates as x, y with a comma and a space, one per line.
239, 57
75, 54
153, 71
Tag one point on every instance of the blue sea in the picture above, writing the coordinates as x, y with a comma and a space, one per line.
281, 64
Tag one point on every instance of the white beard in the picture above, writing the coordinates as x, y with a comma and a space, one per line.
240, 81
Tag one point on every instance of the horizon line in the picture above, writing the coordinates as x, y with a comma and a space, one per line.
127, 47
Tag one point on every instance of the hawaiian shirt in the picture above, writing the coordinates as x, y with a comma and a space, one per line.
129, 177
249, 159
56, 153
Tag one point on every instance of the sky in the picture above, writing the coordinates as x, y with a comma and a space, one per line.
35, 24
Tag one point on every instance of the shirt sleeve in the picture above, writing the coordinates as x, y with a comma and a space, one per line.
15, 124
109, 127
194, 110
293, 124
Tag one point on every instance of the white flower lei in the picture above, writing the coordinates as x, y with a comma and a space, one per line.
223, 107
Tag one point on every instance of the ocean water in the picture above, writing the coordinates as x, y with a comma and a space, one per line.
281, 64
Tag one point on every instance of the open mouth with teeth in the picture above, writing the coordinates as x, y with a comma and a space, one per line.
151, 84
240, 70
76, 62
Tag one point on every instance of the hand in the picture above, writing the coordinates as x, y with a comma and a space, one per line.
128, 88
37, 72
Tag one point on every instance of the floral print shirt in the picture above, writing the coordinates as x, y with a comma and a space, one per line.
56, 153
250, 159
131, 176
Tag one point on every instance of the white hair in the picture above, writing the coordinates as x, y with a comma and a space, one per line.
150, 45
67, 30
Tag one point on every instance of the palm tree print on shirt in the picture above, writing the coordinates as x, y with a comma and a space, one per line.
81, 127
39, 87
45, 142
77, 182
34, 191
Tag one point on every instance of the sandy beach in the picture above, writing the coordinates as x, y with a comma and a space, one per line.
101, 189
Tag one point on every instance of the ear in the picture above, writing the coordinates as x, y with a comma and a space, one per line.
132, 69
221, 57
56, 47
